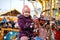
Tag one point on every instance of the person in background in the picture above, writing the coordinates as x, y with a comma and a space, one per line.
26, 24
8, 22
16, 24
8, 19
12, 23
43, 31
36, 28
4, 22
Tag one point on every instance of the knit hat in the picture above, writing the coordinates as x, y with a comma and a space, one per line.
26, 9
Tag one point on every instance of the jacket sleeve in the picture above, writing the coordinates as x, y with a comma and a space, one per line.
20, 23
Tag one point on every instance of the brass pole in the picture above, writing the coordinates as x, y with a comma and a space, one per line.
50, 20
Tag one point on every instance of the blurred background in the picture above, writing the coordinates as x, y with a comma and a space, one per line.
11, 9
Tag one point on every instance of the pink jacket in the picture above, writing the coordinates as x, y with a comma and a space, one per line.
43, 33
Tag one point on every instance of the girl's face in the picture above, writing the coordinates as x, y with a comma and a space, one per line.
26, 14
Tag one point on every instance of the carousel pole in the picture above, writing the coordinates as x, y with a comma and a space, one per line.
51, 15
50, 22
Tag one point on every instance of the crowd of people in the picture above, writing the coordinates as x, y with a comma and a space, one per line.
7, 22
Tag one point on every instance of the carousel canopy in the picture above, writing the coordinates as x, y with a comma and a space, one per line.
11, 13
